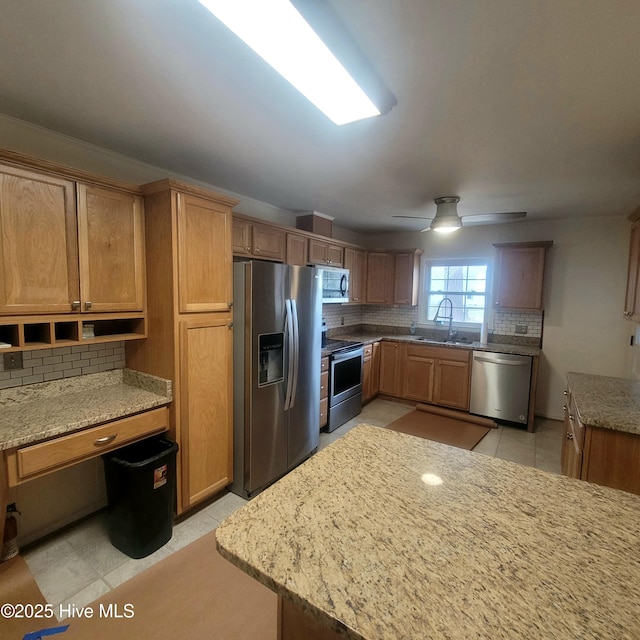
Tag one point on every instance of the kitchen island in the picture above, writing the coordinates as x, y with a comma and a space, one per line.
384, 535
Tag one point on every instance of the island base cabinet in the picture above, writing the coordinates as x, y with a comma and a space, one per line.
295, 624
612, 458
206, 431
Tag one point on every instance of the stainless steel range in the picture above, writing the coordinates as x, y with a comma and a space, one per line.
345, 380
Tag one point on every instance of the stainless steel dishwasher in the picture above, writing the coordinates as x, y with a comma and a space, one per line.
500, 384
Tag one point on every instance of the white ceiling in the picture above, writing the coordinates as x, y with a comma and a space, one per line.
512, 105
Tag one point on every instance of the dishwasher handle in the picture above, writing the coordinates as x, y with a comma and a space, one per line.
513, 363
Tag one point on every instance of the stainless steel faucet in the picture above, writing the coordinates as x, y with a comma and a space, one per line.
450, 333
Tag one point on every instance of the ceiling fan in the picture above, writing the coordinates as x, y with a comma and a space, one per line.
447, 218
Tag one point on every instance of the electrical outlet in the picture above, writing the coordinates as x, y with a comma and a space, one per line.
522, 328
12, 361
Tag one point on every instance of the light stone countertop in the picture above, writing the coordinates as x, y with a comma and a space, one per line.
358, 540
607, 402
493, 347
47, 409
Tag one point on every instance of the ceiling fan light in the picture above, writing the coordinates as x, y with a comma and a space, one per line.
447, 219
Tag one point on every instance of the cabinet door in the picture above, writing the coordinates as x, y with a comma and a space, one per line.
366, 379
520, 274
38, 243
111, 250
268, 242
379, 277
389, 368
206, 420
406, 272
451, 386
204, 255
418, 375
241, 238
375, 369
297, 250
356, 262
321, 252
335, 255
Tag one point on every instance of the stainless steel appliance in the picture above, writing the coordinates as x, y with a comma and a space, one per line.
500, 384
345, 381
277, 315
335, 284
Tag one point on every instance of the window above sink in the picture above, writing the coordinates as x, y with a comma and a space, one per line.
464, 282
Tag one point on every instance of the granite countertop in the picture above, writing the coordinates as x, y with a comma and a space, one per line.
607, 402
47, 409
493, 347
358, 540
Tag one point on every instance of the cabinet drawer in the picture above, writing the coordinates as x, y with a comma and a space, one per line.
324, 364
324, 385
368, 350
38, 459
576, 426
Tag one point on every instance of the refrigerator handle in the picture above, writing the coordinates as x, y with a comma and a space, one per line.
296, 352
290, 354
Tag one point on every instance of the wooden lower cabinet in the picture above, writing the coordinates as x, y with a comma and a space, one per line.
371, 372
206, 352
602, 456
437, 375
390, 368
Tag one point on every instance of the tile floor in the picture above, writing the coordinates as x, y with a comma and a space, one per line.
79, 564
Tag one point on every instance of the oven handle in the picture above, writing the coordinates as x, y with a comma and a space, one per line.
348, 355
289, 334
296, 352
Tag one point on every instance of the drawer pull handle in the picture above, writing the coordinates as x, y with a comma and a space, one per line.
105, 440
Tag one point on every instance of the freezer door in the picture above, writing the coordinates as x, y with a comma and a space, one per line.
305, 294
265, 376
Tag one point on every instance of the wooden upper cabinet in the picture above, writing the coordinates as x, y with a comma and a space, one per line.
632, 297
111, 250
406, 277
379, 277
297, 250
257, 240
520, 275
269, 242
356, 261
241, 237
204, 254
38, 243
327, 253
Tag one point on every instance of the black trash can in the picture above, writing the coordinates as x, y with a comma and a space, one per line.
141, 486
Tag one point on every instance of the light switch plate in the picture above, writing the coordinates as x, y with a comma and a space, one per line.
12, 361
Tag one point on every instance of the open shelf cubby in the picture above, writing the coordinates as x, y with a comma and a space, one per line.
66, 331
37, 334
9, 334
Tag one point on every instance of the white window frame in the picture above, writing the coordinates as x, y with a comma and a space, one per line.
425, 269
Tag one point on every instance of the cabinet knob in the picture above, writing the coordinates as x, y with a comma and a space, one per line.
87, 305
75, 305
569, 436
230, 304
230, 325
571, 416
328, 261
564, 393
248, 248
564, 407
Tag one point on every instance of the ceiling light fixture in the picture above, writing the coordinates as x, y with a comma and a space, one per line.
278, 33
447, 219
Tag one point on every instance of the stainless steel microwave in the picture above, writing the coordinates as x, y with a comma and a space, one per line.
335, 284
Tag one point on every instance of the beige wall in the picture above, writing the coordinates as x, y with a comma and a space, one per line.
584, 329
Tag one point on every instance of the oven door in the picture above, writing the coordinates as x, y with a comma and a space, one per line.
345, 375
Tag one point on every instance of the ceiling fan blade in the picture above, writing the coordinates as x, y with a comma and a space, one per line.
492, 218
413, 217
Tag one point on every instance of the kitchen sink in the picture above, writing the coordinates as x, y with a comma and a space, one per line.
434, 341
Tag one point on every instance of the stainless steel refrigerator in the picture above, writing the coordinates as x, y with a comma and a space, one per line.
276, 359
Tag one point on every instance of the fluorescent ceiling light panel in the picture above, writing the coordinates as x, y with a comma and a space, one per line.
277, 32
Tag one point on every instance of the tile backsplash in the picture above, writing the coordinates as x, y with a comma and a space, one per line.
43, 365
505, 322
